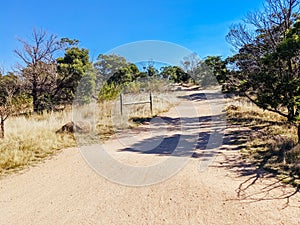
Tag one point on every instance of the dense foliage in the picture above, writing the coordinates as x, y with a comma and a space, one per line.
266, 68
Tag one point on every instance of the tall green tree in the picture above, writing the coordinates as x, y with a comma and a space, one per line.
266, 68
168, 72
107, 65
74, 68
125, 75
118, 81
218, 67
175, 74
113, 74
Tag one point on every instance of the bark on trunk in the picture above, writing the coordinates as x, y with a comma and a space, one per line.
298, 133
34, 97
2, 128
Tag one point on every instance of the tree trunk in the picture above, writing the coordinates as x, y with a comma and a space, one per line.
35, 96
291, 113
298, 133
2, 128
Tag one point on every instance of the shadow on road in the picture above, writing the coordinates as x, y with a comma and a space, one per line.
195, 137
179, 144
258, 184
194, 142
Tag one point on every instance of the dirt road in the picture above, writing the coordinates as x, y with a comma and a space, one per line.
207, 190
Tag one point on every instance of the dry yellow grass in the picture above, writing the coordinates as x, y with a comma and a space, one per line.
32, 139
29, 140
271, 143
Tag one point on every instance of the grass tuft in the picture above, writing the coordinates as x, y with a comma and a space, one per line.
32, 139
272, 142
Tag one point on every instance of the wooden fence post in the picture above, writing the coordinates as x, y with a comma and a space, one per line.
151, 104
121, 104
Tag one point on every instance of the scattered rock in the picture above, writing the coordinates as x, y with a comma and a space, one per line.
72, 127
233, 107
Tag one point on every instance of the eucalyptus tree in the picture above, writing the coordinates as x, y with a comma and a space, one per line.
266, 68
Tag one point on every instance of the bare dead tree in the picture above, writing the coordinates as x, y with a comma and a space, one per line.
38, 56
272, 22
190, 64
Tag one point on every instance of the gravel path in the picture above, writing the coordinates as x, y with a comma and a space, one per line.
199, 188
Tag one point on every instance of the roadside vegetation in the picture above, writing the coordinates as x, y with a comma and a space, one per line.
54, 73
271, 142
264, 75
32, 139
38, 98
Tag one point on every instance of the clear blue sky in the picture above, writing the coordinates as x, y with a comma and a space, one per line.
102, 25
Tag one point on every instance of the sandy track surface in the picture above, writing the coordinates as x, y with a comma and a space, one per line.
65, 190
